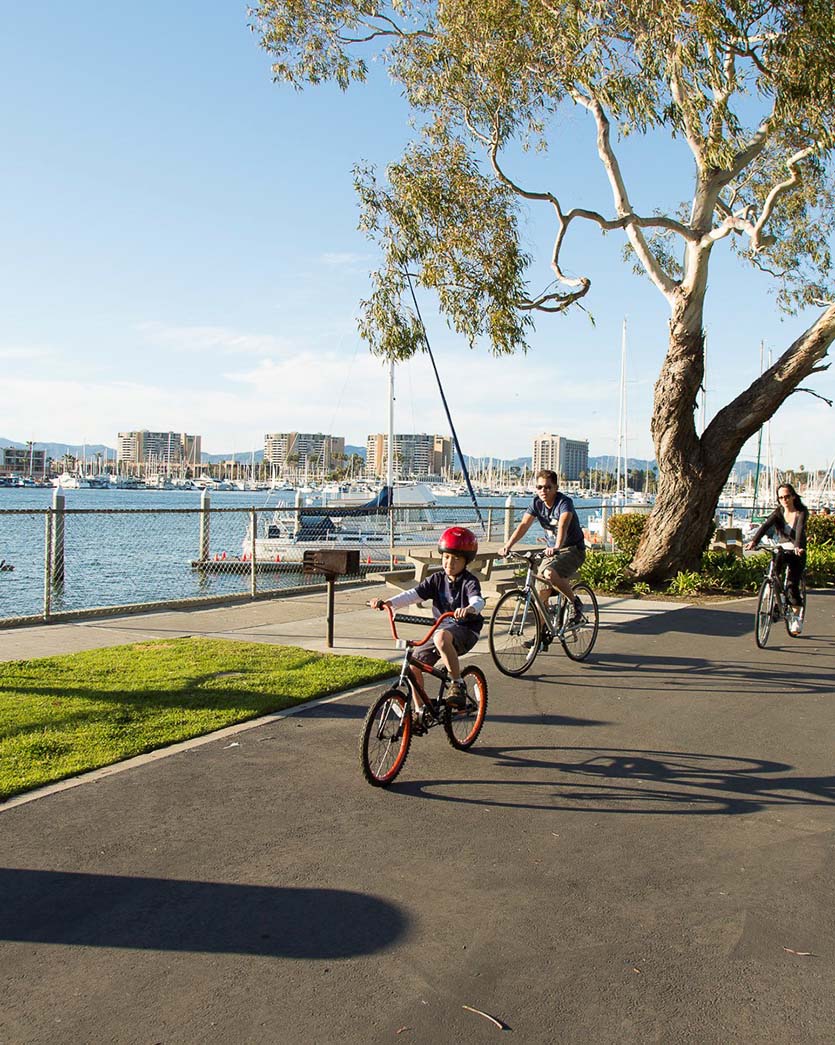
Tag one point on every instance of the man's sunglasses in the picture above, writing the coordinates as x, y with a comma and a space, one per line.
545, 486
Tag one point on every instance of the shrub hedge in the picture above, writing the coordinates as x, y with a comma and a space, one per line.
626, 531
820, 530
719, 571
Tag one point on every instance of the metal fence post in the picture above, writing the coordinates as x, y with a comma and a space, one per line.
391, 536
57, 563
253, 530
47, 565
205, 536
489, 524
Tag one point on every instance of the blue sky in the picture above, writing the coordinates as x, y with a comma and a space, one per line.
179, 251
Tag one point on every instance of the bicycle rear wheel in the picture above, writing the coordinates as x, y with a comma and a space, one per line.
463, 727
514, 633
385, 739
765, 610
579, 639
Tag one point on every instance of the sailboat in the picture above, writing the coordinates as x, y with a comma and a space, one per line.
349, 519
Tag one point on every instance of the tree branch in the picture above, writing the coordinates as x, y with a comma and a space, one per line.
758, 241
623, 207
817, 395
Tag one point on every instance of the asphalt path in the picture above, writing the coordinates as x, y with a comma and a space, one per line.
638, 849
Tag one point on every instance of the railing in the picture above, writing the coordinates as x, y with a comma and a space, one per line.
73, 562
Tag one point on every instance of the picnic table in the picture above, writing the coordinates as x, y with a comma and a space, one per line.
421, 561
428, 560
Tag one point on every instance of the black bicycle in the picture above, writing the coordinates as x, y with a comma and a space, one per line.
392, 720
522, 624
773, 602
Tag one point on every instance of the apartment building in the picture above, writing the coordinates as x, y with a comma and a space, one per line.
22, 460
569, 458
163, 451
415, 456
299, 450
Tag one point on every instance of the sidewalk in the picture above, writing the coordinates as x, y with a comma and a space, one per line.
296, 621
638, 849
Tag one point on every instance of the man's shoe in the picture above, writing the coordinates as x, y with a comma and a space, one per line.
457, 696
577, 617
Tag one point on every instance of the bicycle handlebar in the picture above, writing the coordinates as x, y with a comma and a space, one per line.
528, 555
406, 619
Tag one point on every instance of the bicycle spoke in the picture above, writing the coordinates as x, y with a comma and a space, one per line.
514, 633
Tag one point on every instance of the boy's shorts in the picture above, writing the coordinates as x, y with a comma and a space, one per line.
463, 639
566, 562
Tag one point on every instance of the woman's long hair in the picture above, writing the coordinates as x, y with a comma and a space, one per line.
799, 506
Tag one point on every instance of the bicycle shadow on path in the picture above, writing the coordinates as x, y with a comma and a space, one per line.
609, 780
658, 672
102, 910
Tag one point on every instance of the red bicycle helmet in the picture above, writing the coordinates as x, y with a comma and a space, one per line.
460, 541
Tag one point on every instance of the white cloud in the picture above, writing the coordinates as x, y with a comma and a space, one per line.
346, 259
497, 405
27, 353
209, 338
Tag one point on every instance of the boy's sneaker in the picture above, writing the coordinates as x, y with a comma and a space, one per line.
577, 616
457, 696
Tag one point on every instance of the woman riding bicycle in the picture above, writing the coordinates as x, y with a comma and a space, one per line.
789, 520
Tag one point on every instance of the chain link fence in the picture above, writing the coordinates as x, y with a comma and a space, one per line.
57, 563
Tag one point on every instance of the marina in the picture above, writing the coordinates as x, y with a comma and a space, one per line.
136, 547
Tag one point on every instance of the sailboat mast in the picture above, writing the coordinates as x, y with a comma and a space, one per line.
622, 480
390, 454
759, 445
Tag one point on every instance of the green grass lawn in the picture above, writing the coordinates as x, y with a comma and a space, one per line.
60, 716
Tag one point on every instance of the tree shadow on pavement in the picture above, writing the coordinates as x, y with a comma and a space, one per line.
701, 620
100, 910
607, 780
695, 672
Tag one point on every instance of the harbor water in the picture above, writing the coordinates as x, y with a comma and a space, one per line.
126, 547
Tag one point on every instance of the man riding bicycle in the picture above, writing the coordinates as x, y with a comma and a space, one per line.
566, 546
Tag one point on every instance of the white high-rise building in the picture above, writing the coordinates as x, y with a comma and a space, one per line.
415, 456
300, 450
569, 458
160, 451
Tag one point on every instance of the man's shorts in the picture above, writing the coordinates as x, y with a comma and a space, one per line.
566, 562
463, 639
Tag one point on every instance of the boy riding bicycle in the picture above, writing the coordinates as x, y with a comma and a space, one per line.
451, 589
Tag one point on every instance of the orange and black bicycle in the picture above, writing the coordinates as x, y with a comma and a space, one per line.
393, 719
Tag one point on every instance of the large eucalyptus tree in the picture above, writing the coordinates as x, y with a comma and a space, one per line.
749, 86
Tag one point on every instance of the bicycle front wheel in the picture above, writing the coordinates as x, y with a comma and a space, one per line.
463, 726
578, 639
386, 736
514, 633
765, 611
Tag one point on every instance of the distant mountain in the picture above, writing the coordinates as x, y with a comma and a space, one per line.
608, 463
57, 450
245, 456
